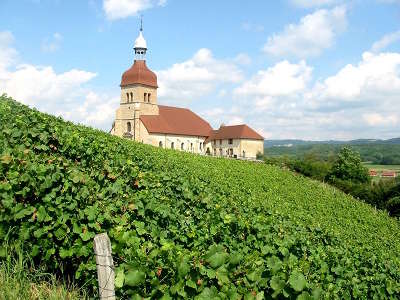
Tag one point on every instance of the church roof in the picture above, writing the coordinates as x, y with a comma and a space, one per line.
139, 73
175, 120
234, 132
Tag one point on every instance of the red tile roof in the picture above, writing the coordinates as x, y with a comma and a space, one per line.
139, 73
234, 132
175, 120
388, 174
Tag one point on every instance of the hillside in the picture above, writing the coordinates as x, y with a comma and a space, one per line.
181, 225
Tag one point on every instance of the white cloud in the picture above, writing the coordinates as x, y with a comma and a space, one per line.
53, 43
34, 85
359, 101
375, 119
97, 110
314, 3
196, 77
376, 77
314, 33
385, 41
235, 120
242, 59
119, 9
61, 94
282, 79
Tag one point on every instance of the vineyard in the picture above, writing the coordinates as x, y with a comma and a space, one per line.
181, 225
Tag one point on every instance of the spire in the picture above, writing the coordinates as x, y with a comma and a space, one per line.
140, 43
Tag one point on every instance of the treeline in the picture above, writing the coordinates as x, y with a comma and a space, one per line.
346, 171
381, 154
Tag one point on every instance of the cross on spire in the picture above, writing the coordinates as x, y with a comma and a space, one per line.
141, 22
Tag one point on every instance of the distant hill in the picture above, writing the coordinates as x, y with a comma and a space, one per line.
382, 152
294, 142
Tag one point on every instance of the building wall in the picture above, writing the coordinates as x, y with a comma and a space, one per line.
138, 91
131, 107
244, 148
252, 147
193, 144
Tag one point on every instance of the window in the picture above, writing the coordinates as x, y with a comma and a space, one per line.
148, 97
220, 142
182, 146
129, 127
244, 154
191, 146
230, 141
215, 142
160, 144
145, 97
172, 145
131, 97
127, 97
200, 146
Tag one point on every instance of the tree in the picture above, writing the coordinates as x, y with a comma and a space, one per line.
393, 206
348, 166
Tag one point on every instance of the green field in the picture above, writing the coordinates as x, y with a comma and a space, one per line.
184, 226
381, 168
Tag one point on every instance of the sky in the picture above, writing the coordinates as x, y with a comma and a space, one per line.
304, 69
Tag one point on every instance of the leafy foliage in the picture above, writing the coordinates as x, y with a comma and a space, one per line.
348, 166
393, 205
185, 226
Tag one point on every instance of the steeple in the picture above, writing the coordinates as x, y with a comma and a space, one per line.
140, 44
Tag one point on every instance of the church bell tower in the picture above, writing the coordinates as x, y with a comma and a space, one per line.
138, 93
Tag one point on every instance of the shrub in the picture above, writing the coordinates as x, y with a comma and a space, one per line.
393, 206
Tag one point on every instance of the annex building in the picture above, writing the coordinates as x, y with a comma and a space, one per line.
140, 118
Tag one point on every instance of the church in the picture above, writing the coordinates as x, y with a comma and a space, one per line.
140, 118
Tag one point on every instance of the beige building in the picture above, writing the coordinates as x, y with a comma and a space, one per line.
140, 118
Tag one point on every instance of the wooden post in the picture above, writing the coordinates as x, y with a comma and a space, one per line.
105, 266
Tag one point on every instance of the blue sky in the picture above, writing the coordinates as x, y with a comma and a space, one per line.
310, 69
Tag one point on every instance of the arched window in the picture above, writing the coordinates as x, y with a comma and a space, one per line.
148, 97
127, 97
160, 144
244, 154
131, 96
191, 146
129, 127
200, 146
182, 146
145, 97
172, 145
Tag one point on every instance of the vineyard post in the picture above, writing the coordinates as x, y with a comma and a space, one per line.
105, 266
